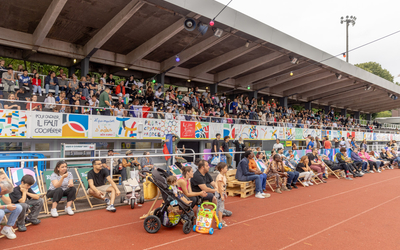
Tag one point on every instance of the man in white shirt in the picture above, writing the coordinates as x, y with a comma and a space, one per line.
348, 142
277, 145
93, 102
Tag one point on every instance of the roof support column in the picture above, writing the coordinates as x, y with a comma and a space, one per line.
327, 109
368, 117
357, 115
283, 101
85, 66
308, 106
253, 94
160, 78
344, 112
214, 88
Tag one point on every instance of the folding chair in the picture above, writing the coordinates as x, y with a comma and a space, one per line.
46, 184
16, 175
338, 172
84, 184
315, 178
175, 171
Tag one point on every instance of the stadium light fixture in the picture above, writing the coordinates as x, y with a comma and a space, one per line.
348, 20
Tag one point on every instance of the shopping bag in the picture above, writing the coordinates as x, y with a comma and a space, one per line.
149, 189
215, 160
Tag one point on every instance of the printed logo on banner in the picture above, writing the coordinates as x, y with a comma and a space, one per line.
13, 123
202, 130
188, 129
298, 133
289, 134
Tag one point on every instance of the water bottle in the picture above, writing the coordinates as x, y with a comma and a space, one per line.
119, 180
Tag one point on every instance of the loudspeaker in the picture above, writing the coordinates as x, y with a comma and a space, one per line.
190, 24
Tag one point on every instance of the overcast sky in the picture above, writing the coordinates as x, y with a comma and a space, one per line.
317, 23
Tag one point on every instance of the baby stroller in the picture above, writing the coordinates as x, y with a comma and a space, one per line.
162, 215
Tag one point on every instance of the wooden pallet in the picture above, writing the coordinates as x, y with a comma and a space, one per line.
238, 191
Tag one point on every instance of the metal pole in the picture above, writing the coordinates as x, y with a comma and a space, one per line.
347, 41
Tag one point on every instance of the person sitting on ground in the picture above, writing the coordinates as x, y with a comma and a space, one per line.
172, 185
14, 209
305, 171
202, 181
62, 184
146, 162
183, 184
243, 174
263, 177
28, 199
277, 171
221, 196
97, 187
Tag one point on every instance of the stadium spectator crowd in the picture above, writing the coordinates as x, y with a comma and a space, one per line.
127, 98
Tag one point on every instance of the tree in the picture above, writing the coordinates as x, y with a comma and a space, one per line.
376, 69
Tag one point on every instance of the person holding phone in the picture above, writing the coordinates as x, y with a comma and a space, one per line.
62, 184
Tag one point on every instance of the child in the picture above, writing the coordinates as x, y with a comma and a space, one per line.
222, 168
24, 196
171, 181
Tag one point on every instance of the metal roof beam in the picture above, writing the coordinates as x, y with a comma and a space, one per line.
301, 81
315, 84
47, 22
111, 27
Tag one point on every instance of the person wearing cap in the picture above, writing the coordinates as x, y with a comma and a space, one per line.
127, 164
116, 165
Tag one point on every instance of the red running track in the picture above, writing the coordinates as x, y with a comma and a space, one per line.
341, 214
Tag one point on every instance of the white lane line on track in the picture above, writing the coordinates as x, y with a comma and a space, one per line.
337, 224
167, 243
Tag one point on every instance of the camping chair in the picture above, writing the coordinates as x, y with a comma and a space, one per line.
338, 173
175, 171
16, 175
84, 184
46, 184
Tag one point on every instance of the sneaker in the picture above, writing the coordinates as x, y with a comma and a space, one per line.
278, 190
294, 186
260, 196
69, 211
305, 184
284, 188
54, 212
226, 213
348, 178
288, 187
21, 228
378, 171
111, 208
33, 221
8, 232
266, 195
310, 183
371, 171
107, 201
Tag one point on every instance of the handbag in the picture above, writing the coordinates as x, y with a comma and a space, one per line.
215, 160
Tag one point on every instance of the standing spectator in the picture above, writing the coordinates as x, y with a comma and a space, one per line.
327, 143
310, 144
51, 82
225, 148
336, 141
8, 80
215, 144
84, 87
104, 102
277, 145
37, 84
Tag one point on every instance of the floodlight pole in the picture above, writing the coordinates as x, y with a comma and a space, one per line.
347, 21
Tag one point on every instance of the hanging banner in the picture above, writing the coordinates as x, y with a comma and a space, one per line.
115, 127
157, 129
13, 123
298, 133
216, 128
50, 125
195, 130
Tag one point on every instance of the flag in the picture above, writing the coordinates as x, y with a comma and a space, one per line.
168, 146
139, 111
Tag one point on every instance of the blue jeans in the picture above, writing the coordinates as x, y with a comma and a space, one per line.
13, 216
292, 177
257, 178
48, 86
364, 165
263, 178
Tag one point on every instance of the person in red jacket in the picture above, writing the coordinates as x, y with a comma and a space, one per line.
120, 90
37, 84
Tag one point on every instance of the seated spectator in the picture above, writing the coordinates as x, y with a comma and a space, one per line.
184, 185
315, 164
50, 101
97, 188
293, 175
146, 162
372, 165
380, 164
62, 184
25, 81
76, 109
23, 95
120, 111
93, 102
203, 182
92, 86
62, 97
74, 86
37, 84
8, 81
358, 161
263, 176
149, 96
34, 106
305, 171
129, 164
344, 163
24, 196
14, 209
120, 90
276, 170
11, 104
63, 83
51, 82
243, 174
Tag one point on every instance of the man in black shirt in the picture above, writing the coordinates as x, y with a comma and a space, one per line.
202, 181
225, 147
29, 200
215, 144
97, 188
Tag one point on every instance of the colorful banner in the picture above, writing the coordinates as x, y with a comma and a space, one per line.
157, 129
50, 125
195, 130
114, 127
13, 123
298, 134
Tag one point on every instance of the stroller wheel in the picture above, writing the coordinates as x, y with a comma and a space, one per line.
187, 227
152, 224
141, 200
132, 204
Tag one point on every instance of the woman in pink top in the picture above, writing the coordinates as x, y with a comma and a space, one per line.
366, 157
183, 184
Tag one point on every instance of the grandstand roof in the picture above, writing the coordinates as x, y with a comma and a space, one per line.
145, 36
